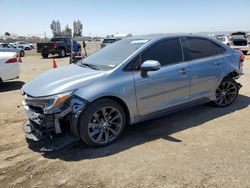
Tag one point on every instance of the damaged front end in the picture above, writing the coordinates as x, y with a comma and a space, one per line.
52, 115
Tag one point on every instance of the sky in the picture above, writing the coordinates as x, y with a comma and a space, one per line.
105, 17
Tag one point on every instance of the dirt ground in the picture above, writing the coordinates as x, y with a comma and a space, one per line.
200, 147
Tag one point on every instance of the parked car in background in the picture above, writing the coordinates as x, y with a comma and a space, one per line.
116, 37
25, 43
130, 81
58, 45
9, 66
108, 41
239, 41
23, 46
5, 47
223, 39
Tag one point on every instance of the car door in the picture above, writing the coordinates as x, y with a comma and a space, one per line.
166, 87
206, 59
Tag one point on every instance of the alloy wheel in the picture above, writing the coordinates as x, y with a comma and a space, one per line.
105, 125
63, 53
226, 93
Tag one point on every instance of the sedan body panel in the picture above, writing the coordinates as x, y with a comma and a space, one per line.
205, 77
61, 80
162, 89
169, 80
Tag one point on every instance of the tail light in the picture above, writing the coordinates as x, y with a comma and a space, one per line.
12, 60
242, 58
56, 46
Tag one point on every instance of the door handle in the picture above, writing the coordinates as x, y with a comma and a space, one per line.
217, 62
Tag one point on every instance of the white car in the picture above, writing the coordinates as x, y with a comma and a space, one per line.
5, 47
223, 39
9, 66
23, 46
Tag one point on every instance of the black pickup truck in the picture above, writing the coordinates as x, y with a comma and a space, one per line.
58, 45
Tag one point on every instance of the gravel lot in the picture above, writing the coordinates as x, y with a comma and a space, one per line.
199, 147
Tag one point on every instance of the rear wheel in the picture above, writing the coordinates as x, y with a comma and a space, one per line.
226, 92
102, 122
45, 55
62, 53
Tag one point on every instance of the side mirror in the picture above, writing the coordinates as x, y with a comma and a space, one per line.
150, 65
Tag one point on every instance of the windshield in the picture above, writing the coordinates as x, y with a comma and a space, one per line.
111, 56
57, 39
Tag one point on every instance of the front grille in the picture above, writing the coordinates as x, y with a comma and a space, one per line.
36, 109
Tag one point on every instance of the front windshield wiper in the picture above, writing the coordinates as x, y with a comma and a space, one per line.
90, 66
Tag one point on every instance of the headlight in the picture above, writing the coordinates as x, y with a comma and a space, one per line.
49, 104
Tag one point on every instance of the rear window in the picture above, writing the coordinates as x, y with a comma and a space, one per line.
201, 48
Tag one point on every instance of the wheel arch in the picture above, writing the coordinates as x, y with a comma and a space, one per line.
62, 48
232, 74
120, 102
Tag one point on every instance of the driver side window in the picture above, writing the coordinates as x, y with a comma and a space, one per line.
165, 52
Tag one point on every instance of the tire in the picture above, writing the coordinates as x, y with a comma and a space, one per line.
45, 55
245, 52
226, 92
62, 53
97, 129
22, 53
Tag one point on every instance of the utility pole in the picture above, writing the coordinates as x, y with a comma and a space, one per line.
71, 50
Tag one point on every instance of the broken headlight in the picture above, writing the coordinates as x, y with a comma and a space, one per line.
50, 104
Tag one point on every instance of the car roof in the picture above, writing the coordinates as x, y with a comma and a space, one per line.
112, 38
155, 37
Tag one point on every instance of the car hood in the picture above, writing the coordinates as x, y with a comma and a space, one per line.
9, 50
61, 80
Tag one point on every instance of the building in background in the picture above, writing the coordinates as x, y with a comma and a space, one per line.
77, 28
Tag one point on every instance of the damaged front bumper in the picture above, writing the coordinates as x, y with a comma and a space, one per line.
41, 125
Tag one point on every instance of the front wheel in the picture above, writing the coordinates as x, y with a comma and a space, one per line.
62, 53
102, 122
22, 53
226, 92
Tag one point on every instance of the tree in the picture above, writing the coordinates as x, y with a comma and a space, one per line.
67, 31
7, 34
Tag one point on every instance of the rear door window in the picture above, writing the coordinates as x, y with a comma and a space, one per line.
166, 52
197, 48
